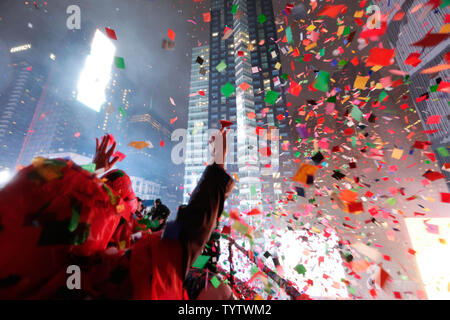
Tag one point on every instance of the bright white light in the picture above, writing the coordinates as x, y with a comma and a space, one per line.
5, 176
432, 254
307, 253
52, 56
96, 72
20, 48
292, 252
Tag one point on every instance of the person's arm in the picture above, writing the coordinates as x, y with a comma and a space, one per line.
102, 155
197, 220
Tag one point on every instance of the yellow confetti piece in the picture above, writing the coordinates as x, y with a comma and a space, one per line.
360, 82
397, 153
376, 68
445, 28
311, 27
358, 14
315, 230
312, 45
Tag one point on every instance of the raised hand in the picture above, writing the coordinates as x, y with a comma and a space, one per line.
218, 147
101, 158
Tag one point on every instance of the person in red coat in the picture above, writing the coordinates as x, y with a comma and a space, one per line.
54, 215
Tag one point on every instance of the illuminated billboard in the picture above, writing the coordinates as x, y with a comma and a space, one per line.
96, 72
20, 48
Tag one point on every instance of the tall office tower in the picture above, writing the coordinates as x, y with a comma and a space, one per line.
197, 139
61, 122
120, 96
244, 54
401, 34
25, 84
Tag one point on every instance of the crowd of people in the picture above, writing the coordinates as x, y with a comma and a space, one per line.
55, 215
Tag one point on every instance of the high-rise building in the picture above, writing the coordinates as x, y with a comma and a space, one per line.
120, 95
197, 139
26, 84
61, 123
244, 53
401, 34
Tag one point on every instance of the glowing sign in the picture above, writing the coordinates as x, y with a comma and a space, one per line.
430, 238
20, 48
96, 72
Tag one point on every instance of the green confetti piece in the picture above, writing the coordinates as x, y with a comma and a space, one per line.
271, 97
332, 99
262, 18
346, 31
391, 201
443, 151
254, 269
224, 213
383, 95
119, 62
322, 82
352, 291
434, 88
342, 63
253, 191
322, 52
74, 220
234, 8
89, 167
285, 76
227, 89
122, 112
221, 66
356, 113
201, 262
289, 35
354, 142
153, 224
444, 3
300, 269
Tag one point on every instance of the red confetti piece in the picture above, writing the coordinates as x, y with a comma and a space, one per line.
171, 34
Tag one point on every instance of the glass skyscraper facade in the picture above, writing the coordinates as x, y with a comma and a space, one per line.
251, 59
197, 135
18, 104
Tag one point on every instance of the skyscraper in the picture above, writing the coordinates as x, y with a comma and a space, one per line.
244, 54
62, 123
19, 101
197, 139
401, 35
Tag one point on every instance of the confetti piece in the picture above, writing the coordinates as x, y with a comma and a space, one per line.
139, 144
332, 11
322, 82
201, 261
171, 34
380, 57
111, 33
271, 97
227, 89
119, 62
